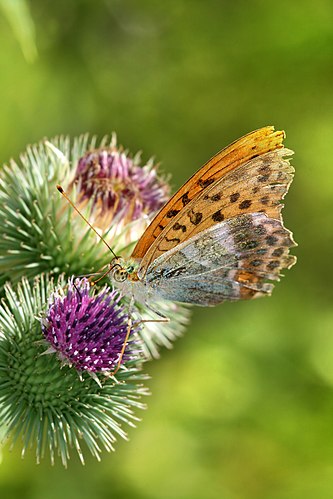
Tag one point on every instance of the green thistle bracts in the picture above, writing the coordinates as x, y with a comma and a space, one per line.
43, 404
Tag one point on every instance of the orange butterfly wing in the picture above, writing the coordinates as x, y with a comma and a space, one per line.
229, 159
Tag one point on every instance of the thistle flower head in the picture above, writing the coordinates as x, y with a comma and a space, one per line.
118, 186
87, 330
43, 403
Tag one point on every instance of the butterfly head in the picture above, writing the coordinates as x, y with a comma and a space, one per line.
120, 270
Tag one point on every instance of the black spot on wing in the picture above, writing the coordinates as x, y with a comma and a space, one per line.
218, 216
205, 183
234, 197
172, 213
264, 169
271, 240
273, 264
185, 199
264, 200
252, 244
260, 230
195, 217
178, 226
263, 178
256, 263
245, 204
278, 252
173, 240
261, 251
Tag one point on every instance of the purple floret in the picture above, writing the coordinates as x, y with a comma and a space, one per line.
87, 330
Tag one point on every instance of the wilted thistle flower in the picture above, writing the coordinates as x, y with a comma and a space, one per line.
43, 403
88, 330
118, 187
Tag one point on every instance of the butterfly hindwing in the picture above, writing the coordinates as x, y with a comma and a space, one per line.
232, 260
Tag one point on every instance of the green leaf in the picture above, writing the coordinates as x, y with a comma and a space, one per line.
19, 17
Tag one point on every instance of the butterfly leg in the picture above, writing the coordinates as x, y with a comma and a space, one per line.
163, 318
130, 323
128, 332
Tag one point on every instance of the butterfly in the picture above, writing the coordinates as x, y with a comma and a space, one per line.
221, 236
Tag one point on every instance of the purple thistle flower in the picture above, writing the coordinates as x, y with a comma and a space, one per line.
120, 188
87, 331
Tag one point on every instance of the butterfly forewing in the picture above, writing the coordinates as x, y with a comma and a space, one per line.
255, 186
236, 154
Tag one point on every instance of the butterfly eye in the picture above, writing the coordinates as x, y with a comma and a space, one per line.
120, 274
130, 269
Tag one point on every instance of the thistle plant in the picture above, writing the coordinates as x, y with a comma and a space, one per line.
71, 356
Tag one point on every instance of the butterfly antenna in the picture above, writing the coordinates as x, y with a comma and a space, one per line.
61, 190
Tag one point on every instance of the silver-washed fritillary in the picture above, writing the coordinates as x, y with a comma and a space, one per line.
221, 236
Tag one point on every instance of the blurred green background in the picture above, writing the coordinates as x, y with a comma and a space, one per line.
242, 408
